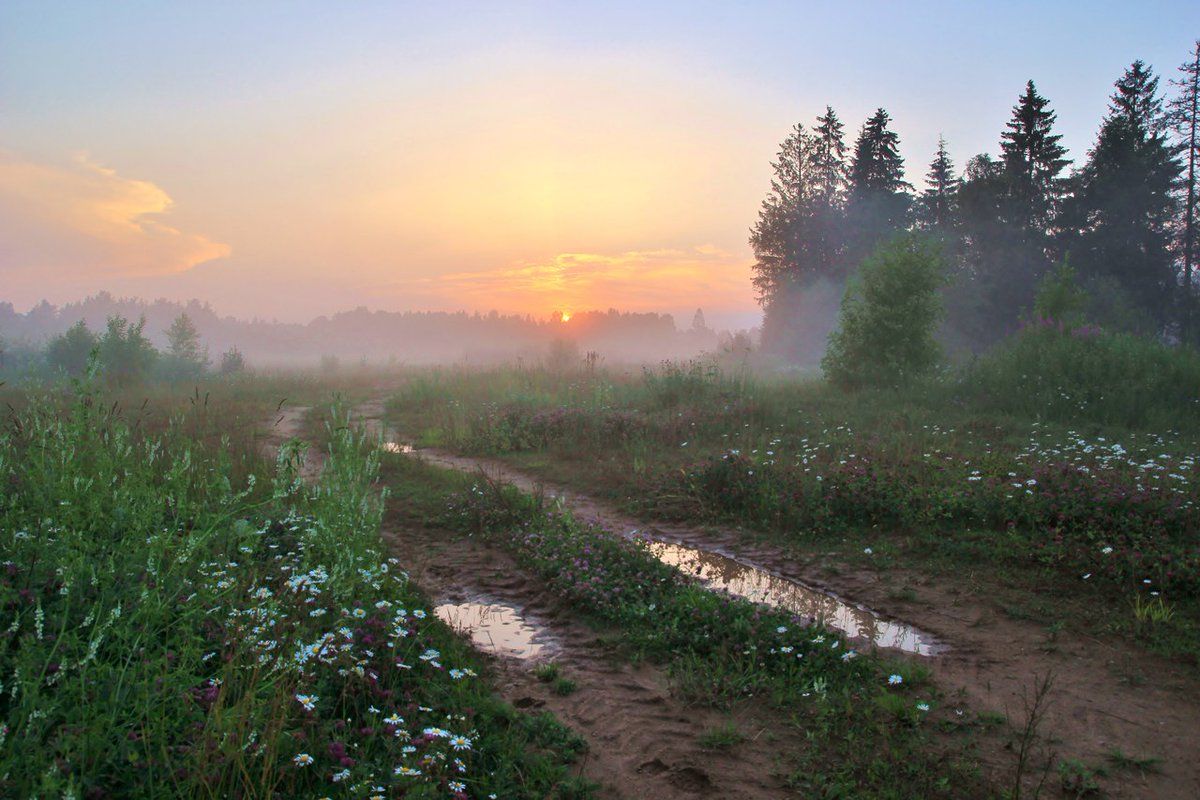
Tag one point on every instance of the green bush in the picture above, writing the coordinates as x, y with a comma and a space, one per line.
1052, 372
889, 316
70, 351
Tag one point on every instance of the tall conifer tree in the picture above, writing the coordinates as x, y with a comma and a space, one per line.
1033, 161
938, 207
1184, 117
879, 199
1125, 204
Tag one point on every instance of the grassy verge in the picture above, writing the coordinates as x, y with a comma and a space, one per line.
175, 627
869, 727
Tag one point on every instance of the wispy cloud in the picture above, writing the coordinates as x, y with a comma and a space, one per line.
83, 221
659, 279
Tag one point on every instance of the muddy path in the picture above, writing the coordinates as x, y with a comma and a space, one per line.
642, 741
1097, 705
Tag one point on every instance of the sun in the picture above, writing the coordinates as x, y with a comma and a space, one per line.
566, 316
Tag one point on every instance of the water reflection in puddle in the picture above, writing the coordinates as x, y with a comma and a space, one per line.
495, 628
397, 447
721, 572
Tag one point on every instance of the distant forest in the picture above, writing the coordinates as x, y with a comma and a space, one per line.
374, 336
1124, 219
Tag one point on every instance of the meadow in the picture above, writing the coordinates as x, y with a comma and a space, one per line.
1056, 501
184, 618
232, 588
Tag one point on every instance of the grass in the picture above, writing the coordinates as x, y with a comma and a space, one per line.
1142, 764
860, 733
547, 672
182, 620
722, 737
933, 480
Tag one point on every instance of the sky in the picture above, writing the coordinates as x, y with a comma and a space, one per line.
287, 160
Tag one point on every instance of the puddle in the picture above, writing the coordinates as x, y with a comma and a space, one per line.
495, 628
760, 586
397, 447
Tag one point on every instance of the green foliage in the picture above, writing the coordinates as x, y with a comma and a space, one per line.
718, 648
546, 672
1051, 372
1059, 297
886, 335
232, 362
70, 351
722, 737
126, 355
185, 358
177, 624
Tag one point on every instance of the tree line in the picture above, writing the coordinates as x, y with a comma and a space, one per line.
126, 355
1124, 219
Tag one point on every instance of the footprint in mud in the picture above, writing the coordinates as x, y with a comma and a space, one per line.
654, 767
692, 779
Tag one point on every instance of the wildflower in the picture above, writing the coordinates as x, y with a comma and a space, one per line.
895, 680
849, 654
457, 786
460, 743
303, 759
309, 701
1106, 550
407, 772
868, 551
922, 706
781, 629
419, 614
338, 777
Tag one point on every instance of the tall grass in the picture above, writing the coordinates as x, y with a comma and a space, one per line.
171, 632
1088, 376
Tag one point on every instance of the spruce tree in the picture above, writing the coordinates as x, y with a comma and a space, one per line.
829, 175
1008, 212
778, 236
879, 200
938, 207
1033, 160
829, 158
1125, 202
799, 238
1184, 118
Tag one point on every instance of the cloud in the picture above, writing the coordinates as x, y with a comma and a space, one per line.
658, 279
82, 224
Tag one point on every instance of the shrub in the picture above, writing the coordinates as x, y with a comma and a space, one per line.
70, 351
1052, 371
888, 317
232, 362
125, 352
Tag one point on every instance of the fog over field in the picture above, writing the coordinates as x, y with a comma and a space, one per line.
600, 401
